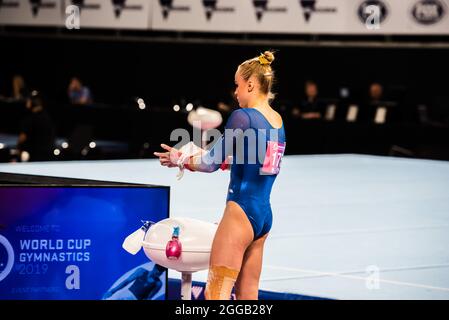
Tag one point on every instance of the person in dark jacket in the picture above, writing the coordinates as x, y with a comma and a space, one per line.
37, 134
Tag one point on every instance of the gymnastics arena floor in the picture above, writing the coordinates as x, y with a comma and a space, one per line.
344, 226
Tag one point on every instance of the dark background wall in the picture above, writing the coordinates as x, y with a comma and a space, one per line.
165, 73
117, 70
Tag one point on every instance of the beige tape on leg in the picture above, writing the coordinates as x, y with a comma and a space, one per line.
220, 282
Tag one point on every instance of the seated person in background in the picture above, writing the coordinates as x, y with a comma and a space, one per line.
19, 88
371, 102
376, 92
79, 94
310, 107
37, 131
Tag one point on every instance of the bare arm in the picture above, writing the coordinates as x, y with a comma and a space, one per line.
207, 160
194, 163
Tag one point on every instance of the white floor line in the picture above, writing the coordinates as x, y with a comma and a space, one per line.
336, 274
355, 231
405, 268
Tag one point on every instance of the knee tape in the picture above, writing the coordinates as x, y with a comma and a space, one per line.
220, 282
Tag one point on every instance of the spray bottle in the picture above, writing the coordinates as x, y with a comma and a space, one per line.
174, 248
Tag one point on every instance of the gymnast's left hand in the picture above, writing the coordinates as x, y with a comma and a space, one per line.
170, 157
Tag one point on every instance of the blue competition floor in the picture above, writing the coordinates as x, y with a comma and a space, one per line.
337, 220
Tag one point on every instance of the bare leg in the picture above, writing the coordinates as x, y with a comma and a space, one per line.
234, 235
247, 285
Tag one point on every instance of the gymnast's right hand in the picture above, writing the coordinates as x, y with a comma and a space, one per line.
169, 158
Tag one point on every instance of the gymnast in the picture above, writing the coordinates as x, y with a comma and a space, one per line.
252, 148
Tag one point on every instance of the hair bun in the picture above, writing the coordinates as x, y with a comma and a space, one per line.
266, 58
269, 56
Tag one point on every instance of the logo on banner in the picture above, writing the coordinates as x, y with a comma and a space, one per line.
120, 5
167, 7
6, 257
309, 7
82, 5
36, 5
428, 12
372, 13
9, 4
262, 7
211, 6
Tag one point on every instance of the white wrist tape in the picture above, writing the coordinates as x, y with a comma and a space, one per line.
188, 150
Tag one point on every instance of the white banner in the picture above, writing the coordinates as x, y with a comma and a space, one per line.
365, 17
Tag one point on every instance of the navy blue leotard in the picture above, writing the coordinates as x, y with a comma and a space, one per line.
256, 149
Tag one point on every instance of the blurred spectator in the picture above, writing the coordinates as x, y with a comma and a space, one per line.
376, 93
36, 135
310, 107
78, 93
375, 102
19, 88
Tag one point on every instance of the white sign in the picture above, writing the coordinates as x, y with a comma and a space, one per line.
346, 17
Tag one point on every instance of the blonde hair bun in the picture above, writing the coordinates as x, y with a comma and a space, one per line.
260, 67
266, 58
269, 56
